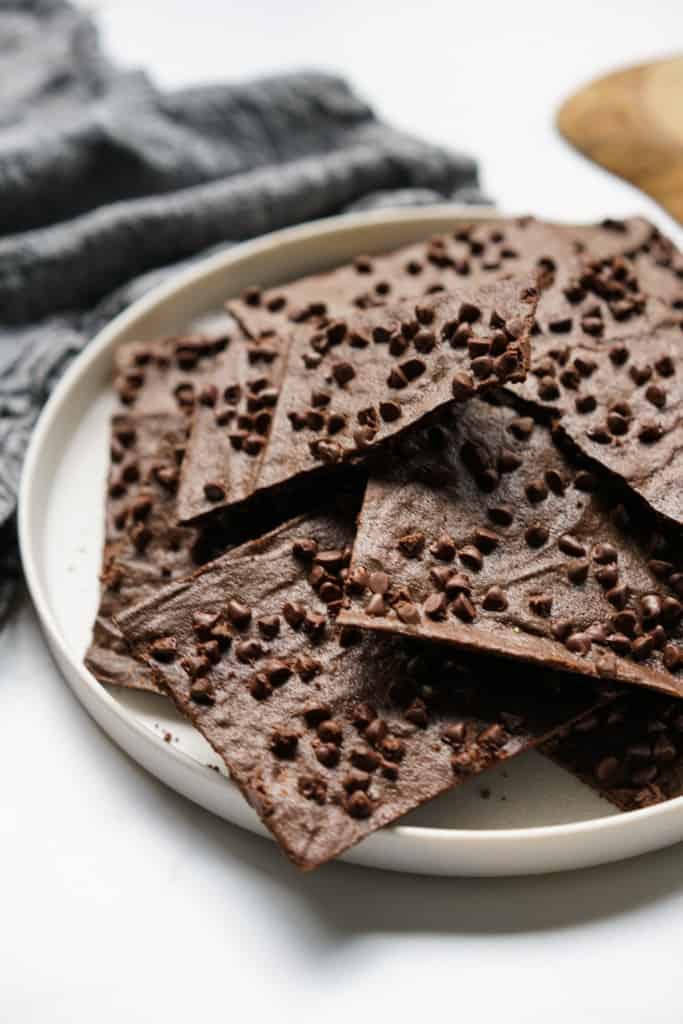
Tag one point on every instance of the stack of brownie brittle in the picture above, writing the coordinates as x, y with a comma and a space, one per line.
401, 521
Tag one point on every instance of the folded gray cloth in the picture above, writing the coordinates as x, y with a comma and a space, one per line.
103, 179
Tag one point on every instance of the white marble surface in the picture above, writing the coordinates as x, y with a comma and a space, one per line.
120, 901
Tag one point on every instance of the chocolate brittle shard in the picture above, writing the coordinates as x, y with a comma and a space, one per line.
329, 734
483, 534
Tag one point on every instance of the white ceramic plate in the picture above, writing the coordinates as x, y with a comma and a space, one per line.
525, 818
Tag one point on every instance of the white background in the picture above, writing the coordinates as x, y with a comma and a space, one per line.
121, 902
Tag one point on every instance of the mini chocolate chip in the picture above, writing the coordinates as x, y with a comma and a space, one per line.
424, 314
214, 491
585, 481
398, 344
604, 553
435, 606
665, 366
650, 607
376, 606
468, 313
562, 628
417, 714
471, 557
500, 514
397, 379
238, 613
541, 604
375, 731
424, 341
618, 596
482, 367
443, 548
358, 805
411, 544
259, 687
365, 758
536, 491
412, 368
607, 769
389, 411
393, 748
355, 780
269, 626
203, 623
343, 373
650, 433
164, 649
577, 571
284, 744
201, 692
640, 374
486, 540
305, 549
548, 389
607, 577
477, 346
600, 435
462, 386
560, 325
578, 643
407, 612
378, 582
457, 583
330, 731
642, 647
625, 622
463, 608
495, 600
671, 609
536, 535
293, 614
656, 395
357, 580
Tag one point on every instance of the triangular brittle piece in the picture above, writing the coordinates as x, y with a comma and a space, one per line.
481, 533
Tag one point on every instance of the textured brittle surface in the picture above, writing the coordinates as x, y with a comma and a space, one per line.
482, 533
330, 734
158, 384
630, 752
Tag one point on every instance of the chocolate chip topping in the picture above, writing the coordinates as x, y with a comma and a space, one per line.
561, 590
357, 395
325, 757
630, 751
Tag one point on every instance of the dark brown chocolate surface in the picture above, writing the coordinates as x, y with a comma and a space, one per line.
479, 249
482, 533
144, 548
330, 734
630, 752
231, 424
158, 384
625, 409
354, 383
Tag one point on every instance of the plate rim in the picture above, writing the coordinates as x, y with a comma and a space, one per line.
88, 690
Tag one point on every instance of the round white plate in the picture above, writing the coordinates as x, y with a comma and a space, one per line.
527, 817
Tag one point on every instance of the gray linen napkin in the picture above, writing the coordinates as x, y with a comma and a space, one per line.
107, 184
